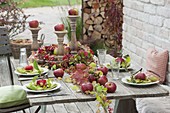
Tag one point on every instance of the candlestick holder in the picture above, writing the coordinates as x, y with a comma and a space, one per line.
60, 50
35, 45
73, 42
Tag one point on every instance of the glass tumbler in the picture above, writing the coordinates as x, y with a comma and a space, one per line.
23, 57
101, 53
115, 69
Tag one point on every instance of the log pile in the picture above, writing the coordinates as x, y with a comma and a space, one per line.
93, 19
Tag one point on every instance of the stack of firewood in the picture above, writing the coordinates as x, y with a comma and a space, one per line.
93, 19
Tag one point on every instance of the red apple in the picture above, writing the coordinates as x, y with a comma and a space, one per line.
103, 69
73, 11
120, 59
29, 68
58, 73
140, 76
41, 82
81, 66
102, 80
92, 78
111, 87
33, 24
86, 87
59, 27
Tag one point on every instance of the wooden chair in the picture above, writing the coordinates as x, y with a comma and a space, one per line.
5, 50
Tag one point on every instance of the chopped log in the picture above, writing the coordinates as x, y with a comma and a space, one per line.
84, 30
104, 31
90, 28
89, 33
85, 37
89, 21
85, 17
86, 26
102, 14
98, 28
102, 9
96, 14
103, 4
98, 20
92, 17
87, 10
89, 3
96, 35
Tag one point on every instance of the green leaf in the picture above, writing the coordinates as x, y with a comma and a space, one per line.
35, 64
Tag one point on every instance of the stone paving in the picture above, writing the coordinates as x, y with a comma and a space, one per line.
50, 16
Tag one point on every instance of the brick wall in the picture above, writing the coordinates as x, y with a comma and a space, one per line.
146, 24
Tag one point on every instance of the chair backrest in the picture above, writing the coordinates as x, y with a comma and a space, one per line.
5, 49
4, 41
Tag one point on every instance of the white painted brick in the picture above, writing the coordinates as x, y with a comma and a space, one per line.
136, 23
133, 48
157, 41
149, 8
126, 11
147, 1
148, 28
142, 16
140, 52
156, 20
158, 2
137, 5
127, 3
131, 30
138, 42
124, 27
167, 4
167, 23
137, 59
162, 11
146, 45
139, 34
162, 32
169, 67
168, 78
127, 20
166, 44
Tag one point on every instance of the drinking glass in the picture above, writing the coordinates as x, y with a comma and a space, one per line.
101, 53
23, 57
115, 69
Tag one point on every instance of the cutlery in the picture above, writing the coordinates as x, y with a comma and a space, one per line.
46, 95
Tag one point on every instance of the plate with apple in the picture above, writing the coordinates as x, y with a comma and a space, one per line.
140, 79
29, 70
41, 85
124, 63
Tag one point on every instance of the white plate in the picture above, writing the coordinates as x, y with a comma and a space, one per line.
45, 70
41, 91
121, 69
124, 80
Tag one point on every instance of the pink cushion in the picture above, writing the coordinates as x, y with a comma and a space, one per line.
156, 63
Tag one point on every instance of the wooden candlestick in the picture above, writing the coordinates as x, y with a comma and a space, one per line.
73, 43
60, 35
35, 45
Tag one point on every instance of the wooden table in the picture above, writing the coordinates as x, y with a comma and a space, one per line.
123, 92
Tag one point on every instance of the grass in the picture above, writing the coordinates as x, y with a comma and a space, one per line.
42, 3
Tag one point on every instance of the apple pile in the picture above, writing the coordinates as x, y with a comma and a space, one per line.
73, 11
34, 24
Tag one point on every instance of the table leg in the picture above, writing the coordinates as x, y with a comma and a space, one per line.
43, 108
116, 105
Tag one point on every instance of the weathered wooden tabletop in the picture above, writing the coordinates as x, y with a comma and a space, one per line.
123, 92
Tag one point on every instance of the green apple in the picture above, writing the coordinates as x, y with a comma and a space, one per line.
55, 51
93, 65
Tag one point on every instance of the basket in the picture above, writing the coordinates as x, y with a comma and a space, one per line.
22, 43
